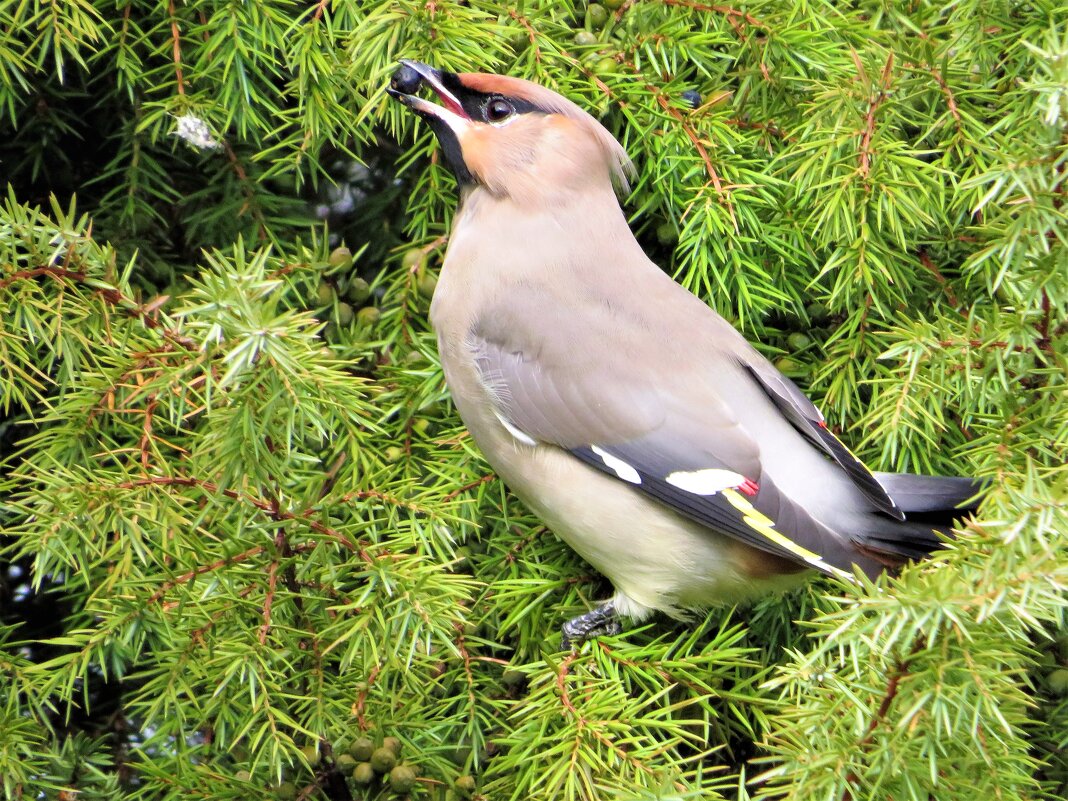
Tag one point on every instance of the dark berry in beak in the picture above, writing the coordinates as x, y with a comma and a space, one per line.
406, 80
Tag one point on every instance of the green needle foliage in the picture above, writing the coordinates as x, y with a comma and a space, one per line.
248, 550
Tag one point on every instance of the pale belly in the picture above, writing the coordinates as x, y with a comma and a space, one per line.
655, 558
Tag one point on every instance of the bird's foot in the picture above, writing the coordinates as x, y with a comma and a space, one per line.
598, 622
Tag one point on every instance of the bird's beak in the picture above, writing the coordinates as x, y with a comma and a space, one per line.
407, 80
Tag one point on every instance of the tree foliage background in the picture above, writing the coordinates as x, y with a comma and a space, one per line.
245, 537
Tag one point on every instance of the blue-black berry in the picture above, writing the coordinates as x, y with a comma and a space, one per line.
406, 80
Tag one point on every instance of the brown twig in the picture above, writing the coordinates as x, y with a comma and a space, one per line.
200, 570
873, 108
196, 636
478, 482
461, 646
583, 724
978, 343
110, 294
268, 599
722, 191
1044, 342
177, 47
893, 685
770, 128
361, 699
531, 33
951, 101
929, 265
377, 495
513, 553
251, 204
146, 430
270, 507
734, 15
561, 686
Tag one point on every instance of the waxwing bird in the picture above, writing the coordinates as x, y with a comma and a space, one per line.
629, 416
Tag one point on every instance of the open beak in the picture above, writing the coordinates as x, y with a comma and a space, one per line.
407, 80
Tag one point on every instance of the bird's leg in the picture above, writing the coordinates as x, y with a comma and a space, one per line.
596, 623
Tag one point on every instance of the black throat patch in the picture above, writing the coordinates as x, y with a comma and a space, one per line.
450, 149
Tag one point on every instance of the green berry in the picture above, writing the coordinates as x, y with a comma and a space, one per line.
596, 16
361, 749
393, 744
413, 259
465, 786
1058, 681
368, 315
666, 234
788, 366
798, 341
393, 454
513, 677
243, 776
358, 290
604, 67
401, 779
324, 294
340, 257
383, 760
345, 314
364, 773
817, 311
311, 754
346, 762
286, 791
426, 284
585, 38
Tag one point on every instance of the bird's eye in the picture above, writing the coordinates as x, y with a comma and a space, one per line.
499, 109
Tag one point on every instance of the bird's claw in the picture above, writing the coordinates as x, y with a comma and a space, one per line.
600, 622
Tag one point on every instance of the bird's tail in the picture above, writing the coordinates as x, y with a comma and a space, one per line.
949, 496
930, 504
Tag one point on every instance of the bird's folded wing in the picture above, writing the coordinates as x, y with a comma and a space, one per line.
808, 420
686, 451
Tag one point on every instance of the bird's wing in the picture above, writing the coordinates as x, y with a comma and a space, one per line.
807, 419
691, 453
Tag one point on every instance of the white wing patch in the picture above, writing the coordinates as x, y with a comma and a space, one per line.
621, 468
709, 481
521, 436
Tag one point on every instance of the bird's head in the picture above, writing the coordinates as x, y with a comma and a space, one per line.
512, 137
